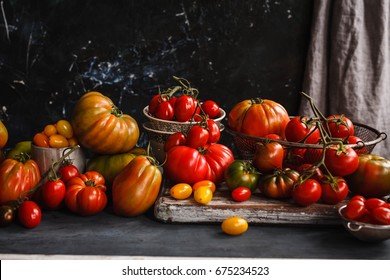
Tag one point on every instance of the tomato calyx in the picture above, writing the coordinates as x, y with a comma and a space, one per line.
22, 157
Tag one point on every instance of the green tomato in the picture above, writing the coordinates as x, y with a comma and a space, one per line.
20, 147
241, 173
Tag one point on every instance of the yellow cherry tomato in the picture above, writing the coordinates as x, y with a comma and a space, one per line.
50, 130
234, 226
58, 141
181, 191
203, 195
204, 183
64, 128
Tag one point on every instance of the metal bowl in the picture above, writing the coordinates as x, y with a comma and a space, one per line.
364, 231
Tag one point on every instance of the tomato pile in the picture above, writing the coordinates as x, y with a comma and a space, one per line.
57, 135
368, 210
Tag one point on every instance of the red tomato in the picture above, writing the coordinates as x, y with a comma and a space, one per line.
312, 155
356, 140
214, 131
29, 214
185, 107
340, 126
211, 108
308, 169
241, 194
164, 111
358, 197
155, 101
40, 139
354, 210
175, 139
341, 161
197, 136
302, 129
53, 194
273, 136
268, 156
307, 192
86, 200
332, 192
381, 215
68, 171
372, 203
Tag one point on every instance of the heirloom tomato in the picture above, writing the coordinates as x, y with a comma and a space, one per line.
279, 184
341, 160
241, 173
302, 129
203, 195
185, 107
136, 187
210, 108
175, 139
180, 191
189, 165
371, 178
339, 126
17, 177
234, 225
204, 183
307, 192
241, 194
333, 191
268, 156
3, 135
258, 117
101, 127
20, 147
29, 214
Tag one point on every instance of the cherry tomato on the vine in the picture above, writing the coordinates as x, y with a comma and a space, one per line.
185, 107
29, 214
334, 193
302, 129
211, 108
197, 136
340, 126
68, 171
307, 192
341, 161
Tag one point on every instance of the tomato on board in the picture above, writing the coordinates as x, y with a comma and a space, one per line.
204, 183
197, 136
185, 107
307, 192
29, 214
241, 194
241, 173
279, 184
234, 225
268, 156
371, 178
335, 191
341, 160
53, 194
211, 108
339, 126
302, 129
203, 195
180, 191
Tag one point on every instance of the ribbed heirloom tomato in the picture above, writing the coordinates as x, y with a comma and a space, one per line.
279, 184
101, 127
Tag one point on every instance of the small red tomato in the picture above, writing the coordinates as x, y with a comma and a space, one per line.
53, 194
241, 194
211, 108
29, 214
197, 136
333, 193
307, 193
68, 171
358, 197
214, 131
381, 215
175, 139
372, 203
354, 210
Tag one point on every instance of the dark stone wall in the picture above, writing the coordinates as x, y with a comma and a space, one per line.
53, 51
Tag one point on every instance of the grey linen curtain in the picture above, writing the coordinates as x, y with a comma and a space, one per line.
348, 63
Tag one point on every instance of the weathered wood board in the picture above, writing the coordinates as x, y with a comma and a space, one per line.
257, 210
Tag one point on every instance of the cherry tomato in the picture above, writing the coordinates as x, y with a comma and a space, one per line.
181, 191
157, 99
340, 126
29, 214
307, 193
164, 111
203, 195
241, 194
302, 129
214, 131
204, 183
381, 215
41, 139
354, 210
332, 192
341, 161
58, 141
372, 203
64, 128
68, 171
175, 139
234, 225
50, 130
197, 136
185, 107
211, 108
53, 194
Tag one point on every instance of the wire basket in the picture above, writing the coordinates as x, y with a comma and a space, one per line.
246, 144
175, 126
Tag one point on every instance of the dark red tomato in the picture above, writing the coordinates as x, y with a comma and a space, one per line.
175, 139
197, 136
354, 210
185, 107
356, 140
302, 129
268, 156
293, 158
381, 215
157, 99
358, 197
214, 131
340, 126
374, 202
310, 170
211, 108
334, 192
312, 155
307, 192
172, 100
341, 161
241, 194
68, 171
273, 136
29, 214
53, 194
164, 111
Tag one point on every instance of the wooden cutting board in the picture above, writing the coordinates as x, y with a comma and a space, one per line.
257, 210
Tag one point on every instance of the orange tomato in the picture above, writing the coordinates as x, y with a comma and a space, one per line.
50, 130
181, 191
204, 183
58, 141
234, 225
40, 139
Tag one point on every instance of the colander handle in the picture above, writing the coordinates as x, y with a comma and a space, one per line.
353, 227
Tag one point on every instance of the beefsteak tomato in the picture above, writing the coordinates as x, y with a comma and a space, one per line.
241, 173
279, 184
268, 156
